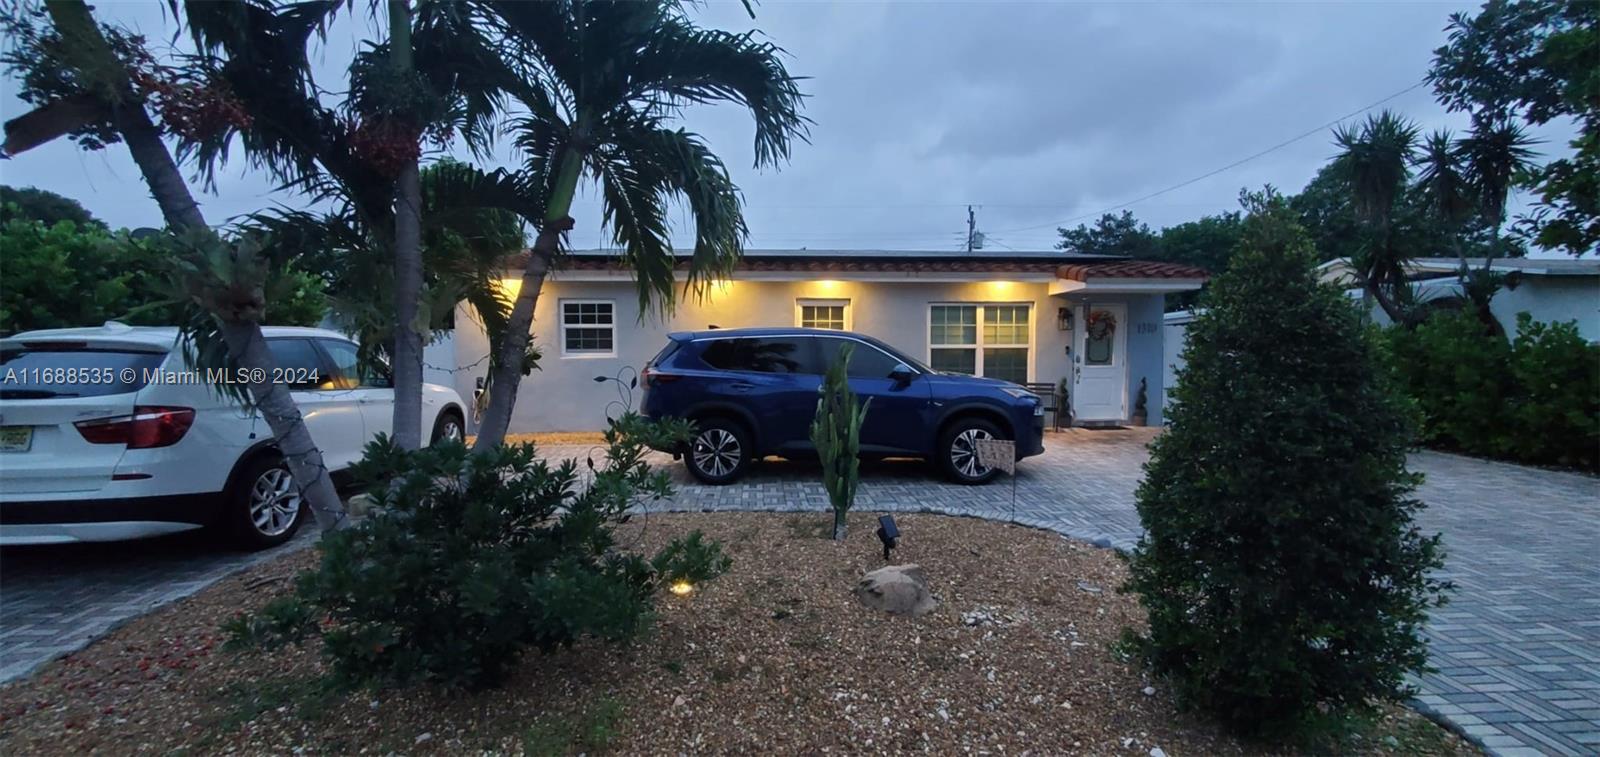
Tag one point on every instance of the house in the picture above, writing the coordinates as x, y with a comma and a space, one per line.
1551, 290
1026, 317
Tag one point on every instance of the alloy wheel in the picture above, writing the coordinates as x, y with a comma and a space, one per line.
716, 452
964, 452
450, 430
274, 502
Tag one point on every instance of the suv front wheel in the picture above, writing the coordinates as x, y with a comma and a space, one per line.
958, 451
719, 451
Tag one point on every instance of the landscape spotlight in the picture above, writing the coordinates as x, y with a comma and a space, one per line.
681, 587
887, 533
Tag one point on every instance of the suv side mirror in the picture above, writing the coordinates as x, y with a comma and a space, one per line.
902, 373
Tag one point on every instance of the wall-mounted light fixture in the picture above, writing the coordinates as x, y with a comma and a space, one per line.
1064, 318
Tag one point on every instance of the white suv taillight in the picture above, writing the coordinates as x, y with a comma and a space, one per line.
147, 427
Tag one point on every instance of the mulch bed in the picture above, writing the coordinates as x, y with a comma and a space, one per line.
774, 657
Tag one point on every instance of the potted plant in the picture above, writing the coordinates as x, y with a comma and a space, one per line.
1139, 402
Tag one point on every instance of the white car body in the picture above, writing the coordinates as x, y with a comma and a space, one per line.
57, 486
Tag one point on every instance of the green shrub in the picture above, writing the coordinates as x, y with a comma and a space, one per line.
1535, 400
1455, 372
1554, 412
64, 275
469, 558
1284, 576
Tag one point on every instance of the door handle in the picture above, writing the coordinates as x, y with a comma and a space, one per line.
741, 386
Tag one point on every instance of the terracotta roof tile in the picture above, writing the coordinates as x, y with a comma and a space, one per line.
1129, 269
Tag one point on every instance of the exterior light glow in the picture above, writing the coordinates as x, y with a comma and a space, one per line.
827, 286
681, 588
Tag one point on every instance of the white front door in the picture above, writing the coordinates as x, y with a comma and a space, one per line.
1099, 363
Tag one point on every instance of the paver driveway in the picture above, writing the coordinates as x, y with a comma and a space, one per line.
1518, 648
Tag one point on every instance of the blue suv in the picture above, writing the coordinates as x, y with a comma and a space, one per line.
753, 393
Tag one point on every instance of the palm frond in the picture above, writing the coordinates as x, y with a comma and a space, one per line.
1443, 178
1376, 162
1497, 153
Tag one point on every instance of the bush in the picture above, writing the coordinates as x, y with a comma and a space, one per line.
1535, 400
64, 275
1554, 411
469, 558
1284, 576
1455, 373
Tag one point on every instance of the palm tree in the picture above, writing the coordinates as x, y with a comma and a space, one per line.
1495, 155
1376, 162
612, 74
1443, 180
435, 75
227, 280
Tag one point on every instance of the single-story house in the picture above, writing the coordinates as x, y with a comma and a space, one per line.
1026, 317
1551, 290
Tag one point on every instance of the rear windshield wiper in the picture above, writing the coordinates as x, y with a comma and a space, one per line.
32, 394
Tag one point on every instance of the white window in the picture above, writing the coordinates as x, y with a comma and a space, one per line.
981, 340
588, 328
822, 314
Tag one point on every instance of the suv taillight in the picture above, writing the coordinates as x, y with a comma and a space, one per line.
653, 377
147, 427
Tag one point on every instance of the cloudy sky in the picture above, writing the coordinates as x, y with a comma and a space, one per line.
1038, 114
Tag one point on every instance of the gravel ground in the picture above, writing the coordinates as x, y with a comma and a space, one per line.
777, 656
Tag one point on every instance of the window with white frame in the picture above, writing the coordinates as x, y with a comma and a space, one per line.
980, 340
588, 328
823, 314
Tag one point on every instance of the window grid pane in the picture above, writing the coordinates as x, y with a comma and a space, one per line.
955, 360
822, 317
954, 324
1006, 364
588, 326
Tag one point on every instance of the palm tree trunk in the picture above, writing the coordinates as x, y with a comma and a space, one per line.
506, 374
246, 345
407, 352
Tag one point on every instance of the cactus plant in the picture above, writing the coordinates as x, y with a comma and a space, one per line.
836, 433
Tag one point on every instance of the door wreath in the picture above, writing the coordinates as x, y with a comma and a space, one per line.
1102, 324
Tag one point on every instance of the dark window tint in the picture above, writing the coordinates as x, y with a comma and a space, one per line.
72, 372
298, 359
666, 352
866, 361
767, 355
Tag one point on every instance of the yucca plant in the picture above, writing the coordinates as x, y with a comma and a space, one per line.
836, 432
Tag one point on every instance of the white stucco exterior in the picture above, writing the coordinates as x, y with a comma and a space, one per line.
564, 396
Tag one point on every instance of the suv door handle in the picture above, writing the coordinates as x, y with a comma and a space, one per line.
741, 386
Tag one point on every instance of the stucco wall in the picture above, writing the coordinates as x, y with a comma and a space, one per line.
563, 396
1552, 299
1145, 353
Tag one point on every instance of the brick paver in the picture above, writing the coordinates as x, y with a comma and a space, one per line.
1518, 648
57, 599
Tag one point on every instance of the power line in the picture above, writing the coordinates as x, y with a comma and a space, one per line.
1230, 166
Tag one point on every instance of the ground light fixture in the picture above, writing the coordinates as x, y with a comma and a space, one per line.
681, 587
888, 533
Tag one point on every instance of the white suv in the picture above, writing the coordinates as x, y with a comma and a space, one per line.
108, 434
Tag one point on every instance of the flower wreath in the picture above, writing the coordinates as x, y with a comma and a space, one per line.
1102, 324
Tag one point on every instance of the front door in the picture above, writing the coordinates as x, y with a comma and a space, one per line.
1100, 363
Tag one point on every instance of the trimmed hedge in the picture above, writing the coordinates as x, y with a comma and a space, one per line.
1535, 399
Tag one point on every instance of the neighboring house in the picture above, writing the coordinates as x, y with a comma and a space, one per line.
1018, 316
1548, 289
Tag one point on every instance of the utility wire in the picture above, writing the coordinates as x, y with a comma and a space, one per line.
1230, 166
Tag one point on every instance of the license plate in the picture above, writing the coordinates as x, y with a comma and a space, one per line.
16, 438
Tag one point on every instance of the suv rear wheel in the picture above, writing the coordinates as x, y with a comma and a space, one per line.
264, 506
719, 451
958, 451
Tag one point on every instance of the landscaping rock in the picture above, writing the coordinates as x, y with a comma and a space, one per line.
897, 589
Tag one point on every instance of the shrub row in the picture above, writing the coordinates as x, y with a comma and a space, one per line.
1534, 399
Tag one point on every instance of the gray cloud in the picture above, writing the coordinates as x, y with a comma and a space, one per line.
1039, 112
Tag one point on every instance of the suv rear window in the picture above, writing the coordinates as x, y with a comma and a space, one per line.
45, 372
762, 355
